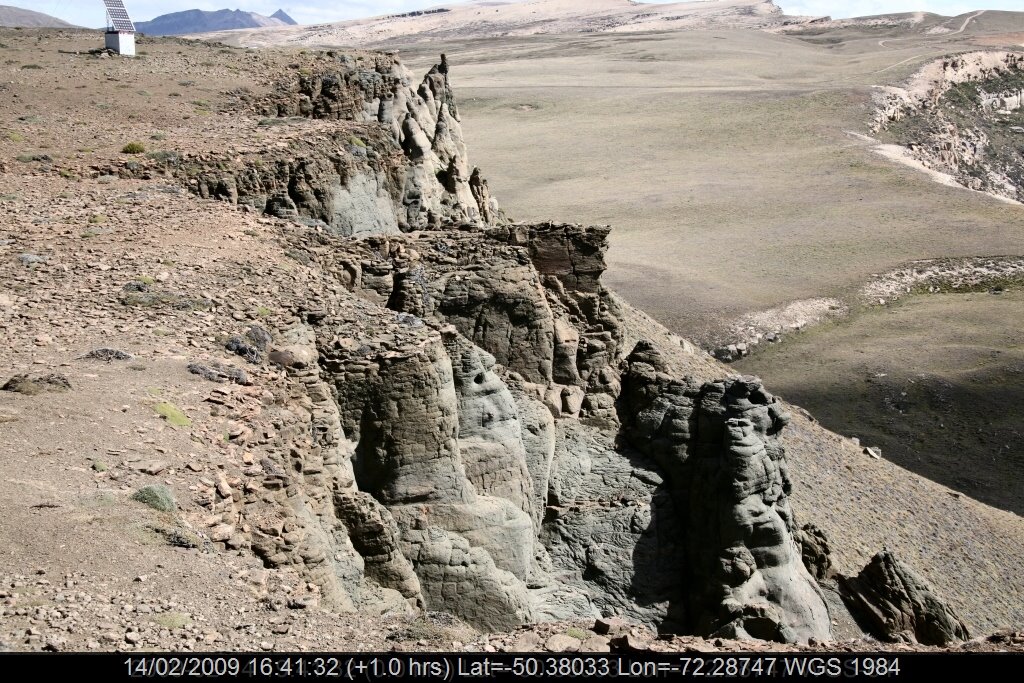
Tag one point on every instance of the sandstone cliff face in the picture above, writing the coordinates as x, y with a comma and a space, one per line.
472, 425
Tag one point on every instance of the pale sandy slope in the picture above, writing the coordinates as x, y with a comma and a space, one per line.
491, 19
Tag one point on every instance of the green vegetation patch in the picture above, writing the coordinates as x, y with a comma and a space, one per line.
156, 496
172, 414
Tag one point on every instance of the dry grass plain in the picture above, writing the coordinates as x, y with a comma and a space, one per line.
936, 381
721, 158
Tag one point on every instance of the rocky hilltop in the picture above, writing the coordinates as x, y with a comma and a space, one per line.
411, 402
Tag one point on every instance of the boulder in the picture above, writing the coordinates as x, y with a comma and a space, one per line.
896, 604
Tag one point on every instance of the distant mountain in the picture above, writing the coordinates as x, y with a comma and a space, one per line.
281, 15
26, 18
199, 21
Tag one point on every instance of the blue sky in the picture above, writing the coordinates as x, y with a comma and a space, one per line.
90, 12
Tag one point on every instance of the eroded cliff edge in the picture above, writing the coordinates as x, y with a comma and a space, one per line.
962, 116
467, 420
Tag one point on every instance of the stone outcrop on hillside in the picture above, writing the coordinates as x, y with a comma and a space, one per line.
896, 604
481, 396
472, 426
394, 161
436, 180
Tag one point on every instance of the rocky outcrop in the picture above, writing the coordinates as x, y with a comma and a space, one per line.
437, 182
294, 516
896, 604
467, 429
395, 159
491, 415
399, 403
927, 87
719, 444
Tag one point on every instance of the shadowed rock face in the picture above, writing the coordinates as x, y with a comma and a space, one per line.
719, 443
896, 604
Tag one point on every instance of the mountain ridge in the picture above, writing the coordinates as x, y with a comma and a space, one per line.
17, 17
201, 21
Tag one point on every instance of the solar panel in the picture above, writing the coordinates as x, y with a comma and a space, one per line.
119, 18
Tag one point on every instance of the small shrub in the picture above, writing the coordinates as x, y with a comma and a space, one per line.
156, 496
174, 94
97, 218
172, 414
263, 311
31, 66
577, 633
157, 136
172, 621
100, 466
14, 136
133, 148
29, 158
358, 142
